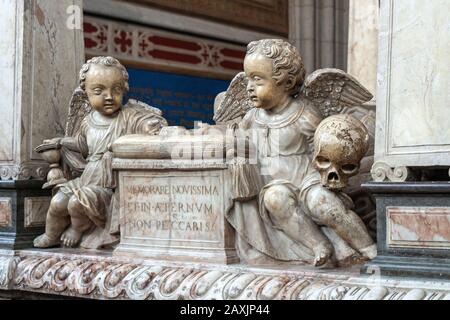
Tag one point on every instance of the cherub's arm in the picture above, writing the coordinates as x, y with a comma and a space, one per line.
70, 143
148, 124
141, 118
77, 143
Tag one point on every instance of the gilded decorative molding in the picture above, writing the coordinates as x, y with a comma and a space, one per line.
381, 171
109, 278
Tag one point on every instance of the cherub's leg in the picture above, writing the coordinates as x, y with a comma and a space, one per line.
283, 208
79, 223
326, 207
56, 222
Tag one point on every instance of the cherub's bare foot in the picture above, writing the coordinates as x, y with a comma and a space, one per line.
71, 237
44, 241
322, 254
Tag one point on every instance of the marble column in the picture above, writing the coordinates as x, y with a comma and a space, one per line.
319, 29
363, 42
412, 141
41, 51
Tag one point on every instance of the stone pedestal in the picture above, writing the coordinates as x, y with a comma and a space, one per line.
413, 222
23, 208
412, 140
40, 56
412, 99
172, 209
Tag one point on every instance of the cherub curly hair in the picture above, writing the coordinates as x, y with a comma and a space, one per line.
104, 61
287, 62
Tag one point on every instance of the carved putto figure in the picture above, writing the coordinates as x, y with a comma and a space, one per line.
282, 110
84, 205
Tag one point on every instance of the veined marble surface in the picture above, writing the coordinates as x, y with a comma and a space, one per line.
8, 47
418, 227
363, 42
40, 56
413, 78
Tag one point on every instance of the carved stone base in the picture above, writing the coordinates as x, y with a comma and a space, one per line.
409, 267
413, 222
97, 275
8, 265
23, 208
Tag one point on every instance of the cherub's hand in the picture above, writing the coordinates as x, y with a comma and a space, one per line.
151, 126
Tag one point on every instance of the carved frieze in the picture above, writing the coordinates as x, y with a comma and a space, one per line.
109, 278
23, 172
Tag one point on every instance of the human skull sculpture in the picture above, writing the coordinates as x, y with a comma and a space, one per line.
340, 142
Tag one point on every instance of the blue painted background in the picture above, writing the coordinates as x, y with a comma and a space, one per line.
182, 99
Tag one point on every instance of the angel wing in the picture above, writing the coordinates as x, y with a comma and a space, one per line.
144, 106
235, 103
332, 90
79, 108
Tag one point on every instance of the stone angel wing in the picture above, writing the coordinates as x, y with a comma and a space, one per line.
142, 105
235, 103
333, 90
79, 108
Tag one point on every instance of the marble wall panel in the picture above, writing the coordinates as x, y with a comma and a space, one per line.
413, 80
35, 211
41, 53
172, 207
175, 215
5, 212
418, 227
56, 58
8, 69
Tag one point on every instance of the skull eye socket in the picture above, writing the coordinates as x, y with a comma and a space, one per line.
349, 168
323, 162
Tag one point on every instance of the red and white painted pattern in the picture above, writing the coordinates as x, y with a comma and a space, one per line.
153, 46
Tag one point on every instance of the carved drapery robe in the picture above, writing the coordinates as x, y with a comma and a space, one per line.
94, 189
284, 153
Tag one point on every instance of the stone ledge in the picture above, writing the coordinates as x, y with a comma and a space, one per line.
95, 276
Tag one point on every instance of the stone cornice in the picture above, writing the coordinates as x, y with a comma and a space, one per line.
105, 277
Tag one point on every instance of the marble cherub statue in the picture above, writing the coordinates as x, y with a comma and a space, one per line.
282, 111
96, 119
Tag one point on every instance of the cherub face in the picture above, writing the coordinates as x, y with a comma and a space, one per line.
105, 89
263, 90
